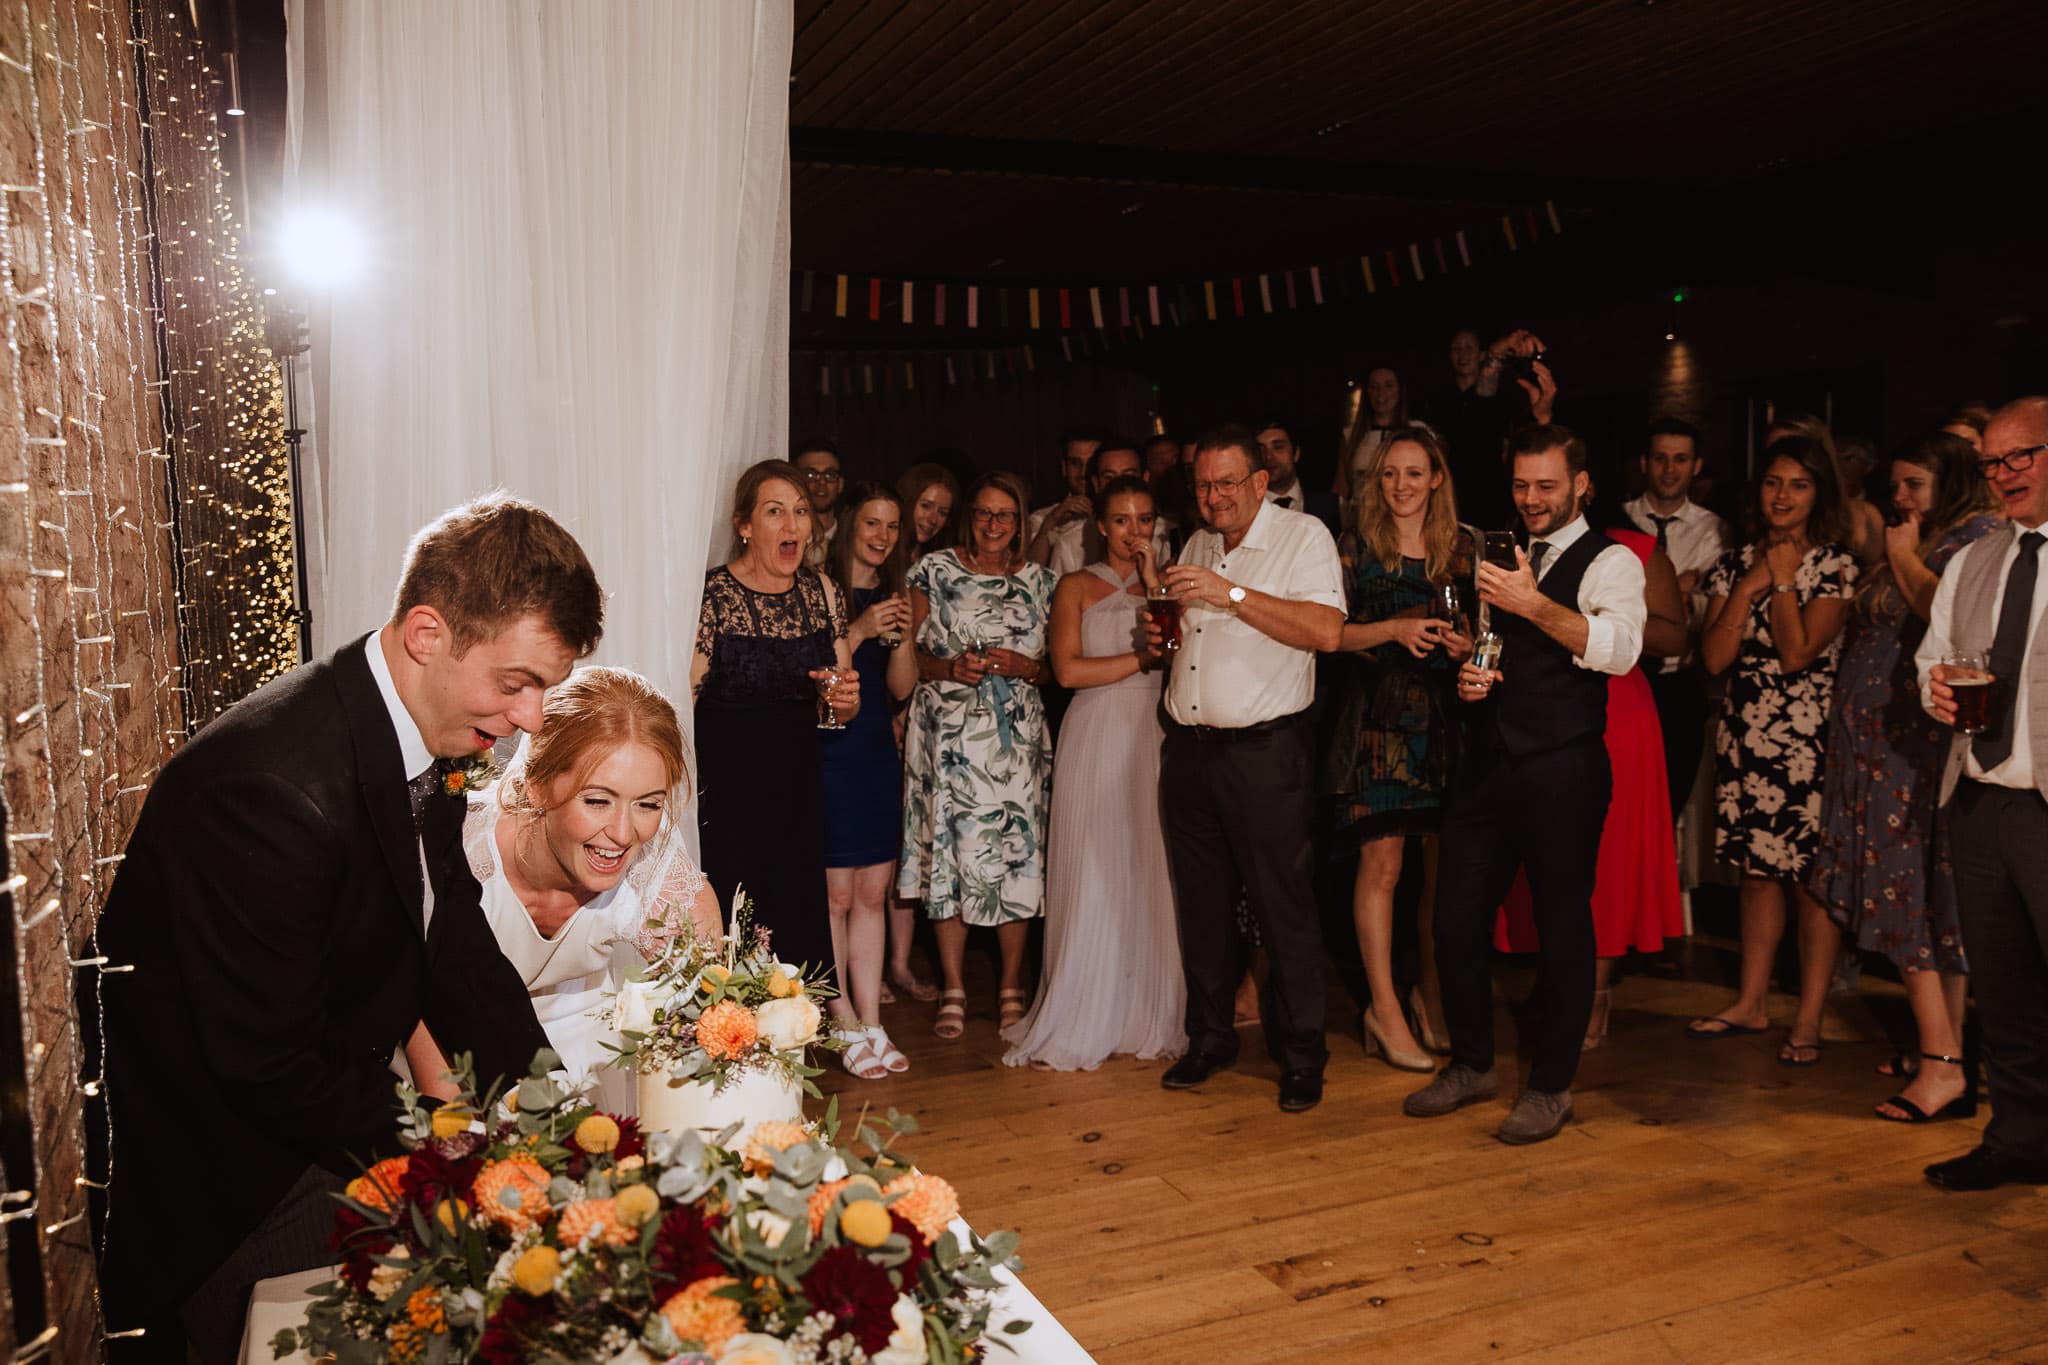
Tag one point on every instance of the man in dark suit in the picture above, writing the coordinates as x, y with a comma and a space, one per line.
295, 903
1284, 487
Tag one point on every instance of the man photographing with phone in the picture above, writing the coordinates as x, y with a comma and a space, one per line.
1531, 792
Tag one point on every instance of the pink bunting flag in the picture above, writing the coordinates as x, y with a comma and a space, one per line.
1315, 284
1464, 252
909, 309
1152, 298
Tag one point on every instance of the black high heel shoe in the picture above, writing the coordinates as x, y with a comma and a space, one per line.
1963, 1106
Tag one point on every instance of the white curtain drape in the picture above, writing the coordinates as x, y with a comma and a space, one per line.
577, 218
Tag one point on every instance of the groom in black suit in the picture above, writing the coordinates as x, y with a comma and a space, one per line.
296, 904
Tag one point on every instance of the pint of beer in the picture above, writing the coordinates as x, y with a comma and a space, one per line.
1164, 608
1974, 687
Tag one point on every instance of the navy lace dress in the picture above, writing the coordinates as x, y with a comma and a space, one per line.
863, 770
759, 808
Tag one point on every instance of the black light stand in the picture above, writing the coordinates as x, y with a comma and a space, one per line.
286, 337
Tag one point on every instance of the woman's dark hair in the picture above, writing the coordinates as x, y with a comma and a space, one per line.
839, 562
1119, 486
1960, 492
1829, 522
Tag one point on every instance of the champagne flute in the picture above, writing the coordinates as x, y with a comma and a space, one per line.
828, 719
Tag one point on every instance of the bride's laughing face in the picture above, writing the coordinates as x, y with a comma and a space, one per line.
593, 829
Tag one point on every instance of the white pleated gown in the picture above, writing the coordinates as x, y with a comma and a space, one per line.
1112, 981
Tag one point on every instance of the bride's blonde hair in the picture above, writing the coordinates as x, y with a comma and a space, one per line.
593, 713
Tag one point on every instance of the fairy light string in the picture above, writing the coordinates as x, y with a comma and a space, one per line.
145, 530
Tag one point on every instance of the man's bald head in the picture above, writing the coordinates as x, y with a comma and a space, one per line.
2017, 432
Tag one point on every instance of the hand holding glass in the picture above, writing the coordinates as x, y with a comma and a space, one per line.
1968, 676
827, 680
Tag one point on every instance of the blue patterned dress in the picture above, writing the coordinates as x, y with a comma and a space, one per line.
977, 760
1882, 866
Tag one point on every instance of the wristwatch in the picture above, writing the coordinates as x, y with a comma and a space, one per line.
1236, 596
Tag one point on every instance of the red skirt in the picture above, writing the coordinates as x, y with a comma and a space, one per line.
1635, 891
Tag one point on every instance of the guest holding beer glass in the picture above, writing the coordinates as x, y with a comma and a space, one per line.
1775, 612
1112, 979
1882, 868
1408, 577
1985, 623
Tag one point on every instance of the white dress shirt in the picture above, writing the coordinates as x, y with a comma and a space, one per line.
1694, 539
1071, 543
1227, 674
2017, 771
1610, 598
413, 754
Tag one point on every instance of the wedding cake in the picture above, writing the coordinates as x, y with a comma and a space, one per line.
748, 1097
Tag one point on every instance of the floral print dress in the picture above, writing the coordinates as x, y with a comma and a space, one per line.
977, 760
1768, 749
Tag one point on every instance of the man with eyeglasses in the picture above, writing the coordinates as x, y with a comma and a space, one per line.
1995, 790
823, 481
1261, 592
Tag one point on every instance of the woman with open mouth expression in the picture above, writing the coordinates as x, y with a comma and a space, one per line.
575, 850
770, 634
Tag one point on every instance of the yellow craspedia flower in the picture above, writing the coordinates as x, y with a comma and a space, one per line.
636, 1205
780, 986
451, 1213
714, 977
865, 1223
598, 1133
450, 1120
537, 1269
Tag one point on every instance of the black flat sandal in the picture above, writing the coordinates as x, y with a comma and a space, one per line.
1963, 1106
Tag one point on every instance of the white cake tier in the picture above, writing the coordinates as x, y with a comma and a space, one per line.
749, 1098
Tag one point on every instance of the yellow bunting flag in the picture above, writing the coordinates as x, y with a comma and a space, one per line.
1209, 297
839, 299
1508, 230
1365, 264
1034, 310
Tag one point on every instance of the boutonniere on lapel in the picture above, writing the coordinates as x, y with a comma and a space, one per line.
461, 776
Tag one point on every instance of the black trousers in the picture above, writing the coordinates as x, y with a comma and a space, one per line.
1682, 707
1541, 814
2000, 839
1237, 810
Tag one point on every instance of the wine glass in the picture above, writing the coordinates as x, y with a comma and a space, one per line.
828, 719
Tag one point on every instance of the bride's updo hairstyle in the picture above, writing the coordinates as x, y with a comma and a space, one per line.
594, 712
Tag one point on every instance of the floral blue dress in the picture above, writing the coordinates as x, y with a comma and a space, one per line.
1882, 869
1769, 747
977, 760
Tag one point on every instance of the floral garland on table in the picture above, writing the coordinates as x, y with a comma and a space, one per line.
551, 1232
710, 1010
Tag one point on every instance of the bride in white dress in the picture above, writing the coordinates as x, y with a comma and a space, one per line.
582, 870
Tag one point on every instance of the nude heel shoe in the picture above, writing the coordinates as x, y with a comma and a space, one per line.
1400, 1061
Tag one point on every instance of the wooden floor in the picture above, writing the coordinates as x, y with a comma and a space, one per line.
1706, 1205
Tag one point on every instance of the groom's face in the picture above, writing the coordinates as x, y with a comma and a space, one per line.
472, 702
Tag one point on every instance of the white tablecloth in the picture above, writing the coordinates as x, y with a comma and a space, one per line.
281, 1302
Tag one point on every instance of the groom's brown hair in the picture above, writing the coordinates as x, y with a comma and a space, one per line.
487, 564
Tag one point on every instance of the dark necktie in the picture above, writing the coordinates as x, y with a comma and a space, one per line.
417, 790
1538, 552
1663, 531
2008, 647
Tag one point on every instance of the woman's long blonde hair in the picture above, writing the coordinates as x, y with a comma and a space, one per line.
1379, 536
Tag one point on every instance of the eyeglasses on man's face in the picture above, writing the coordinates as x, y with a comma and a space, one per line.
821, 476
1204, 487
2018, 461
994, 516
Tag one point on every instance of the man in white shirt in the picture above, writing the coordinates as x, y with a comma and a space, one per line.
1532, 789
1995, 788
1692, 538
1077, 447
1261, 591
823, 482
1078, 542
1283, 479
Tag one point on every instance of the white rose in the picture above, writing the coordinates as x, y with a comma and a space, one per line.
633, 1009
906, 1342
785, 1024
757, 1348
385, 1279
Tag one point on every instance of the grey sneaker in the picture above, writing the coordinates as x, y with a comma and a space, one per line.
1536, 1117
1456, 1086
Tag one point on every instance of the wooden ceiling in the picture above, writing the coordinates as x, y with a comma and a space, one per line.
1022, 138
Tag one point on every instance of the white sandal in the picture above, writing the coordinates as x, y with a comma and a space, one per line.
862, 1059
891, 1055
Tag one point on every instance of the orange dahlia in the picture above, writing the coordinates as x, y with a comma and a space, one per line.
579, 1218
727, 1029
525, 1181
928, 1202
769, 1137
697, 1314
378, 1187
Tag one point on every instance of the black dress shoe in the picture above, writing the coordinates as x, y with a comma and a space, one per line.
1190, 1071
1300, 1090
1985, 1169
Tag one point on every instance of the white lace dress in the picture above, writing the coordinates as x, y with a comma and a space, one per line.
572, 974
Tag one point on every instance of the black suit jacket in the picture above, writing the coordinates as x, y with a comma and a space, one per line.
1321, 504
270, 900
